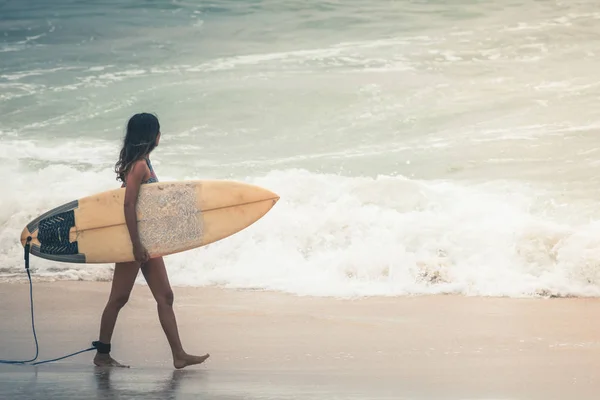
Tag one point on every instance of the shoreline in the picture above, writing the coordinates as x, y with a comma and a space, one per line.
21, 279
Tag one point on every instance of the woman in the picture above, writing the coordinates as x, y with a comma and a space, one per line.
134, 169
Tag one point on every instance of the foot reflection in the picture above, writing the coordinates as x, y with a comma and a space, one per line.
133, 386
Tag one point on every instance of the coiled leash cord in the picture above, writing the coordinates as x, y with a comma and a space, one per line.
95, 345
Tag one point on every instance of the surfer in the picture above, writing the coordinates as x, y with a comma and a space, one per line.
134, 169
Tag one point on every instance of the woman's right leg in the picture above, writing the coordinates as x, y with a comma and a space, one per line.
123, 280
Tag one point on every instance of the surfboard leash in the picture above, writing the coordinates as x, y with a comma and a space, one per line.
23, 362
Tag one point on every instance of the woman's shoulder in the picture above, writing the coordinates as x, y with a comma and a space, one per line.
142, 162
139, 168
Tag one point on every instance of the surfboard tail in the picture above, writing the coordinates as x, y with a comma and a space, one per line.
48, 235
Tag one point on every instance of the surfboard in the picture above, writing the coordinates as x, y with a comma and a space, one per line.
172, 217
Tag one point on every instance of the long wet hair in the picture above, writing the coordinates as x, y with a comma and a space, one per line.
140, 140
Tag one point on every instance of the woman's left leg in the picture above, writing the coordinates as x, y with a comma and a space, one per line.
156, 276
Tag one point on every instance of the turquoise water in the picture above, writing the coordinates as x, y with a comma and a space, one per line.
419, 147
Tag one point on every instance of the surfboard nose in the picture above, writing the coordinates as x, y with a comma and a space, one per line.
272, 195
267, 194
213, 194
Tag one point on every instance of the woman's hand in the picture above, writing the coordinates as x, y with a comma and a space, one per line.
140, 253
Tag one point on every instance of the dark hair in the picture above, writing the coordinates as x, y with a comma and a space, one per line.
140, 140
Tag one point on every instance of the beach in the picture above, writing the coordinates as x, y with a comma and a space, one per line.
437, 164
273, 345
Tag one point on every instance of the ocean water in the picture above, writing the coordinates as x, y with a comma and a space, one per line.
418, 146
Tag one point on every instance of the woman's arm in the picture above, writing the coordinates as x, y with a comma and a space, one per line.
134, 180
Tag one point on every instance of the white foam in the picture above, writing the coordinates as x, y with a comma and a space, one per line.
341, 236
331, 235
34, 72
65, 152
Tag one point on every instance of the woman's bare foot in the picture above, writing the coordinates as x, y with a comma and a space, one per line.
186, 360
105, 360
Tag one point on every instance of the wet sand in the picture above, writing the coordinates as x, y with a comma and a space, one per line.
270, 345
